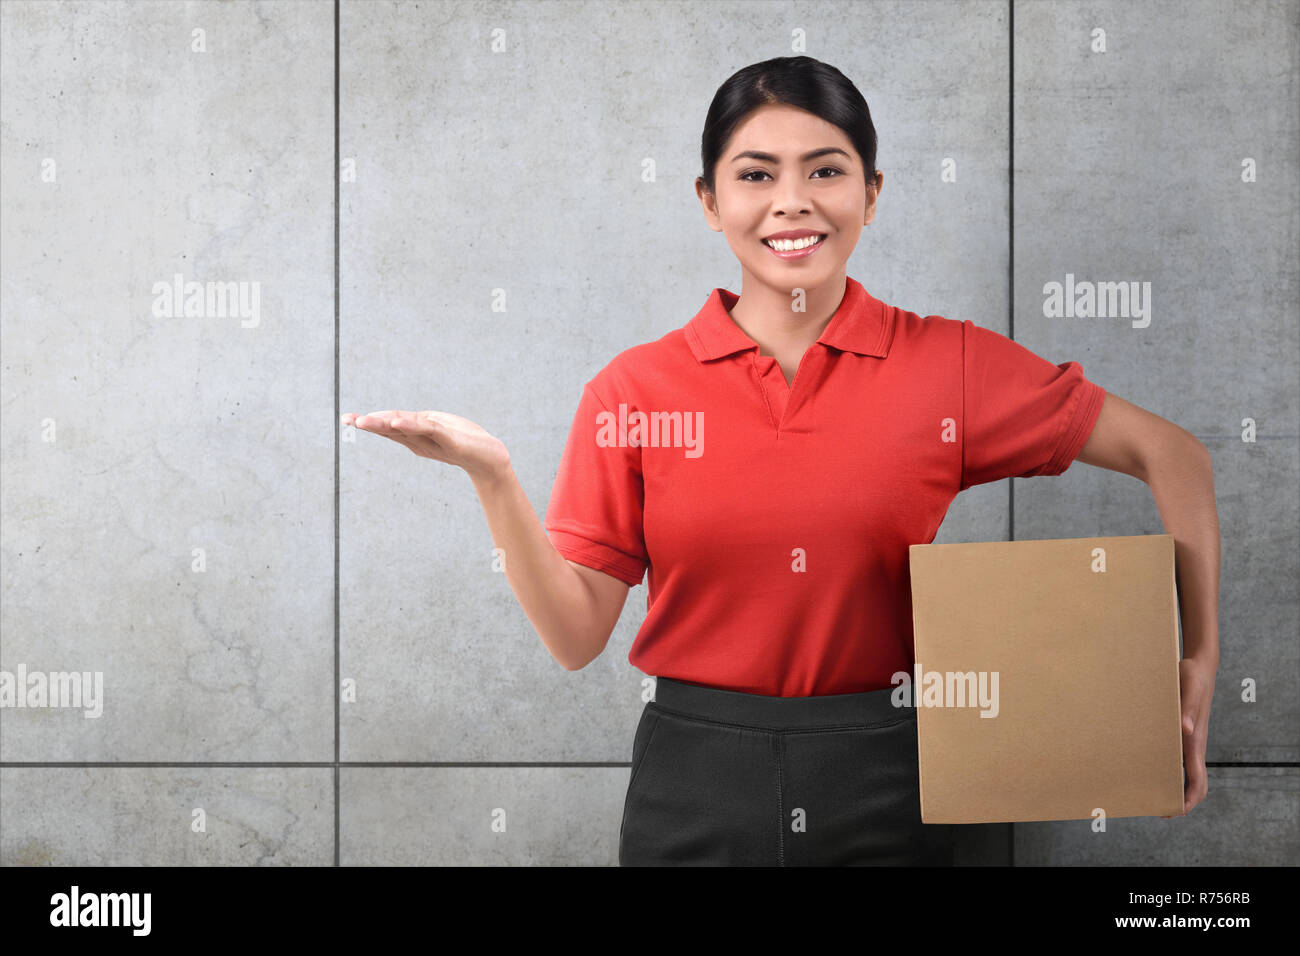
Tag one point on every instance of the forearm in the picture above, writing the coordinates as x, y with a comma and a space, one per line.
1182, 483
553, 596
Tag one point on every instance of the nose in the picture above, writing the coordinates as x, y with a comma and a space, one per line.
791, 197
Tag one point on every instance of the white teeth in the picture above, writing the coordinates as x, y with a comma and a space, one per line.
790, 245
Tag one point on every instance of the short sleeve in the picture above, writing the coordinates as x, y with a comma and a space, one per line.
1023, 416
595, 510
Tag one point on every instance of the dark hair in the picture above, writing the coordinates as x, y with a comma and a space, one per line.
798, 81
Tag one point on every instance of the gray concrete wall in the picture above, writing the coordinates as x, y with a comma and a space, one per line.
172, 512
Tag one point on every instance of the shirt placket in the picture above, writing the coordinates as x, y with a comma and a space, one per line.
782, 399
773, 392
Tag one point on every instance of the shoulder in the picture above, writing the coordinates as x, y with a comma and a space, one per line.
918, 335
635, 368
915, 324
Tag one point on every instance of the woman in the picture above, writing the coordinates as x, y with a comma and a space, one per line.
838, 431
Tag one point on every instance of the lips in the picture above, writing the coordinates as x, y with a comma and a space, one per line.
790, 255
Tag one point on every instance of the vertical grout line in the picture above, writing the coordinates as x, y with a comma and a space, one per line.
1011, 274
1011, 221
337, 415
1, 576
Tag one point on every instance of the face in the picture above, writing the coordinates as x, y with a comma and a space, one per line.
777, 176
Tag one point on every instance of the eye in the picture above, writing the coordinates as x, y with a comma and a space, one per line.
745, 177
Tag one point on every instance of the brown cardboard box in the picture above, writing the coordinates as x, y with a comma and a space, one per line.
1075, 642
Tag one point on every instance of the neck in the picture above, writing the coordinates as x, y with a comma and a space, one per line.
767, 314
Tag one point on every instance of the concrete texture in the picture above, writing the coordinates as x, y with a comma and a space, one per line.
173, 816
522, 170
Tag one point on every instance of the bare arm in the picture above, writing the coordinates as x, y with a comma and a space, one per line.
573, 608
1177, 468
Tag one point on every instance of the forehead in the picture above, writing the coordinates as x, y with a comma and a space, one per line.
785, 130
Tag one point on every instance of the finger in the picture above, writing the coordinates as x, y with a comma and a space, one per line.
1187, 708
1192, 714
1187, 758
418, 431
375, 420
408, 421
423, 423
1198, 784
1195, 782
380, 423
400, 417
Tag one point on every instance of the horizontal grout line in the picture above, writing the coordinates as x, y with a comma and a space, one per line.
326, 764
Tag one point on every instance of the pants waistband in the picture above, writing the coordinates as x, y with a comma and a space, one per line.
780, 713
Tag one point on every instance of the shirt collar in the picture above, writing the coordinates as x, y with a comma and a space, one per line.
861, 324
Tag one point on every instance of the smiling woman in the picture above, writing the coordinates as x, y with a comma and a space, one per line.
789, 177
840, 430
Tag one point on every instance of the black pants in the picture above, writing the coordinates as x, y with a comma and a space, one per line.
731, 779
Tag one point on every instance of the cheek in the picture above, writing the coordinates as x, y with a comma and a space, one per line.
744, 242
850, 214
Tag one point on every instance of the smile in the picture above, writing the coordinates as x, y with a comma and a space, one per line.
794, 248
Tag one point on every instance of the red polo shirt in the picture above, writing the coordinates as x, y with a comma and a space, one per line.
775, 520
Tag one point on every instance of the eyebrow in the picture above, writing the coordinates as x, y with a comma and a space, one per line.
769, 158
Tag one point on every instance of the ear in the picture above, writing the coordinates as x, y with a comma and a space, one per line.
872, 194
710, 204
